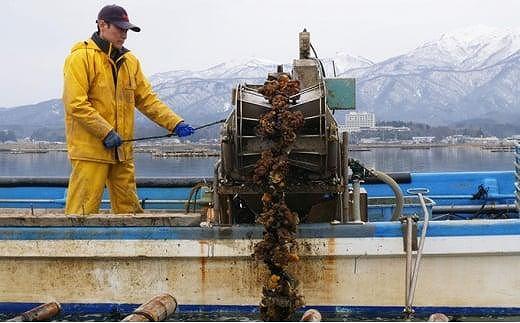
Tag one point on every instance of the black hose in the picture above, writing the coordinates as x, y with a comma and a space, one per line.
172, 134
319, 61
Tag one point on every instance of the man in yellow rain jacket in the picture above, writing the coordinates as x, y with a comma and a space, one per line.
103, 82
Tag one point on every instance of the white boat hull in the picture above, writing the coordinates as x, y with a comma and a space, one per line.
336, 273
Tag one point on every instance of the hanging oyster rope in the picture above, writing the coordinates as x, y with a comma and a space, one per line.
281, 297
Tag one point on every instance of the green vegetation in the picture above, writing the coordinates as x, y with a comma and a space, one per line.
422, 130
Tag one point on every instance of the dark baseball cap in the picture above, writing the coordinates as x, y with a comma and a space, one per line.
117, 15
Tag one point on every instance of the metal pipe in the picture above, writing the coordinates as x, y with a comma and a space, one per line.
43, 312
469, 196
229, 216
305, 40
9, 181
420, 250
157, 309
235, 131
61, 201
171, 134
332, 156
150, 201
399, 198
32, 201
216, 199
473, 208
345, 214
356, 186
408, 272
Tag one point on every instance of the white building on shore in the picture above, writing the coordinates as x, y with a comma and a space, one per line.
358, 120
423, 140
365, 121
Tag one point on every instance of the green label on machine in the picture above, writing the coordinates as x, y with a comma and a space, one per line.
341, 93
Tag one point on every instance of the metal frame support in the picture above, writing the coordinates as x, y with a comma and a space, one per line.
345, 213
356, 197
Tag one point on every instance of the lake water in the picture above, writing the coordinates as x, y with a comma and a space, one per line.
385, 159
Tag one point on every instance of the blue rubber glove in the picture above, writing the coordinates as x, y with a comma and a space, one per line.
112, 140
183, 130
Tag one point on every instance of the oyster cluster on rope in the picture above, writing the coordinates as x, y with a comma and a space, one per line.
278, 248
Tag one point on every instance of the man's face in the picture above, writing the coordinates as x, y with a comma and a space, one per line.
112, 33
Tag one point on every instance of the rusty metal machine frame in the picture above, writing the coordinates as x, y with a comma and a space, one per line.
317, 156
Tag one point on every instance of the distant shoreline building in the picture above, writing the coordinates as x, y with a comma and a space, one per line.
423, 139
356, 121
365, 122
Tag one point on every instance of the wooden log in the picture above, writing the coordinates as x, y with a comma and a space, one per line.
43, 312
311, 315
438, 317
157, 309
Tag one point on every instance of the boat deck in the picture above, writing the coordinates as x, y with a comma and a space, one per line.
56, 217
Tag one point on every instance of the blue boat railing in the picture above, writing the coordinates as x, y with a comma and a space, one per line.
50, 192
517, 176
446, 190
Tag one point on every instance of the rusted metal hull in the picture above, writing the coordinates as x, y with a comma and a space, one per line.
342, 268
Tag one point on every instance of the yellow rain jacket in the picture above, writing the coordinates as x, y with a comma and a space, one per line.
94, 104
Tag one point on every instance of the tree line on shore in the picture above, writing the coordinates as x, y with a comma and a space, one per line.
483, 128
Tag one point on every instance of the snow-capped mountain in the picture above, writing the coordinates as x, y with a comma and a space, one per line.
342, 62
465, 74
252, 67
256, 68
208, 91
472, 48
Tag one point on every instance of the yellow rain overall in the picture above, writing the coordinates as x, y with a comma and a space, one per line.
99, 95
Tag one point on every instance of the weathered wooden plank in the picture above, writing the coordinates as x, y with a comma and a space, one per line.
53, 217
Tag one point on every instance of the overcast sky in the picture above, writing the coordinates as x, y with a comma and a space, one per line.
195, 34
